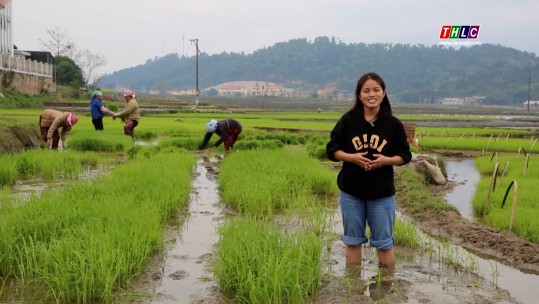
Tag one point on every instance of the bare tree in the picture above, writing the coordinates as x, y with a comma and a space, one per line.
59, 43
89, 63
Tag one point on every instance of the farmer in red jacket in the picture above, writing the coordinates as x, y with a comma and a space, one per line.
227, 129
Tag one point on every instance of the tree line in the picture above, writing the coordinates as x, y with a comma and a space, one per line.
413, 73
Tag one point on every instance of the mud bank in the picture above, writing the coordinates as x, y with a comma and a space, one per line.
17, 139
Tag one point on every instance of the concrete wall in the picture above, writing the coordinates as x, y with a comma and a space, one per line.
26, 76
26, 83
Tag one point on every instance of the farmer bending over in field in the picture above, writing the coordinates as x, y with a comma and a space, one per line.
49, 123
130, 115
227, 129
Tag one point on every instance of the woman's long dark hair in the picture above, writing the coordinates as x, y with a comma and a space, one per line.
385, 107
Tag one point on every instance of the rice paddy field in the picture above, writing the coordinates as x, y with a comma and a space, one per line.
115, 220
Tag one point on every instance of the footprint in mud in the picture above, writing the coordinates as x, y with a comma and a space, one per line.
178, 275
211, 166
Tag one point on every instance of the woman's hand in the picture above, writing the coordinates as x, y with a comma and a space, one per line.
378, 161
360, 160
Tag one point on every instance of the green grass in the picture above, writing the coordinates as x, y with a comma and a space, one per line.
88, 240
526, 223
272, 179
48, 165
258, 263
479, 144
415, 196
469, 132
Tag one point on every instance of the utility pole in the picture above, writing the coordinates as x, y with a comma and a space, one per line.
195, 41
529, 91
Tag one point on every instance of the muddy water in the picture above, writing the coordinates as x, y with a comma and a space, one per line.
184, 267
23, 190
417, 278
464, 174
179, 277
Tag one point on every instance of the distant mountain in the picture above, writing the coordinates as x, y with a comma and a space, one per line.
413, 73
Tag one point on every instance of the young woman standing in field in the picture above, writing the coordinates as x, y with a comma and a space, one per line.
369, 141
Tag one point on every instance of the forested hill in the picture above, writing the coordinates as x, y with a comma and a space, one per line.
413, 73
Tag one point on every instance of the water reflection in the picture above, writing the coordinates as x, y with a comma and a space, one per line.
466, 177
183, 270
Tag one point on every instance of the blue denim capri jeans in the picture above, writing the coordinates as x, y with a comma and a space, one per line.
379, 214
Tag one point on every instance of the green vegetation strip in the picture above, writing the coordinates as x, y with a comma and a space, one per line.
258, 261
526, 222
469, 132
414, 195
86, 241
487, 144
256, 182
46, 164
260, 264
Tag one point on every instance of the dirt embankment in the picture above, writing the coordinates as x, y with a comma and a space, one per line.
19, 138
484, 241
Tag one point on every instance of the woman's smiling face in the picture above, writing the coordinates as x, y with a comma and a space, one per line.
371, 94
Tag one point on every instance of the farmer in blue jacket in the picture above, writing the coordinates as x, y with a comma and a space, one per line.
98, 110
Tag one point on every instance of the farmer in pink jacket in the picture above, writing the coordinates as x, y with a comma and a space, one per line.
50, 121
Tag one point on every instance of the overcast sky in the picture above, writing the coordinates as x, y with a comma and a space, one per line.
128, 32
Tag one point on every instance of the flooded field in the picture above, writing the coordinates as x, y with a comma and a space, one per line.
180, 275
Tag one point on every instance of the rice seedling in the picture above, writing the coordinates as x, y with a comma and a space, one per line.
272, 179
190, 143
405, 233
495, 215
87, 240
475, 144
415, 196
260, 264
495, 272
46, 164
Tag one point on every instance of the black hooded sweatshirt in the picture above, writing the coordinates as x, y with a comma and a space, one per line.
352, 134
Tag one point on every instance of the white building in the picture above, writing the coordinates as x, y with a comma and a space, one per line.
249, 88
6, 28
533, 103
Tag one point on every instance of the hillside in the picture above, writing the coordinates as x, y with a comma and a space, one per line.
413, 73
